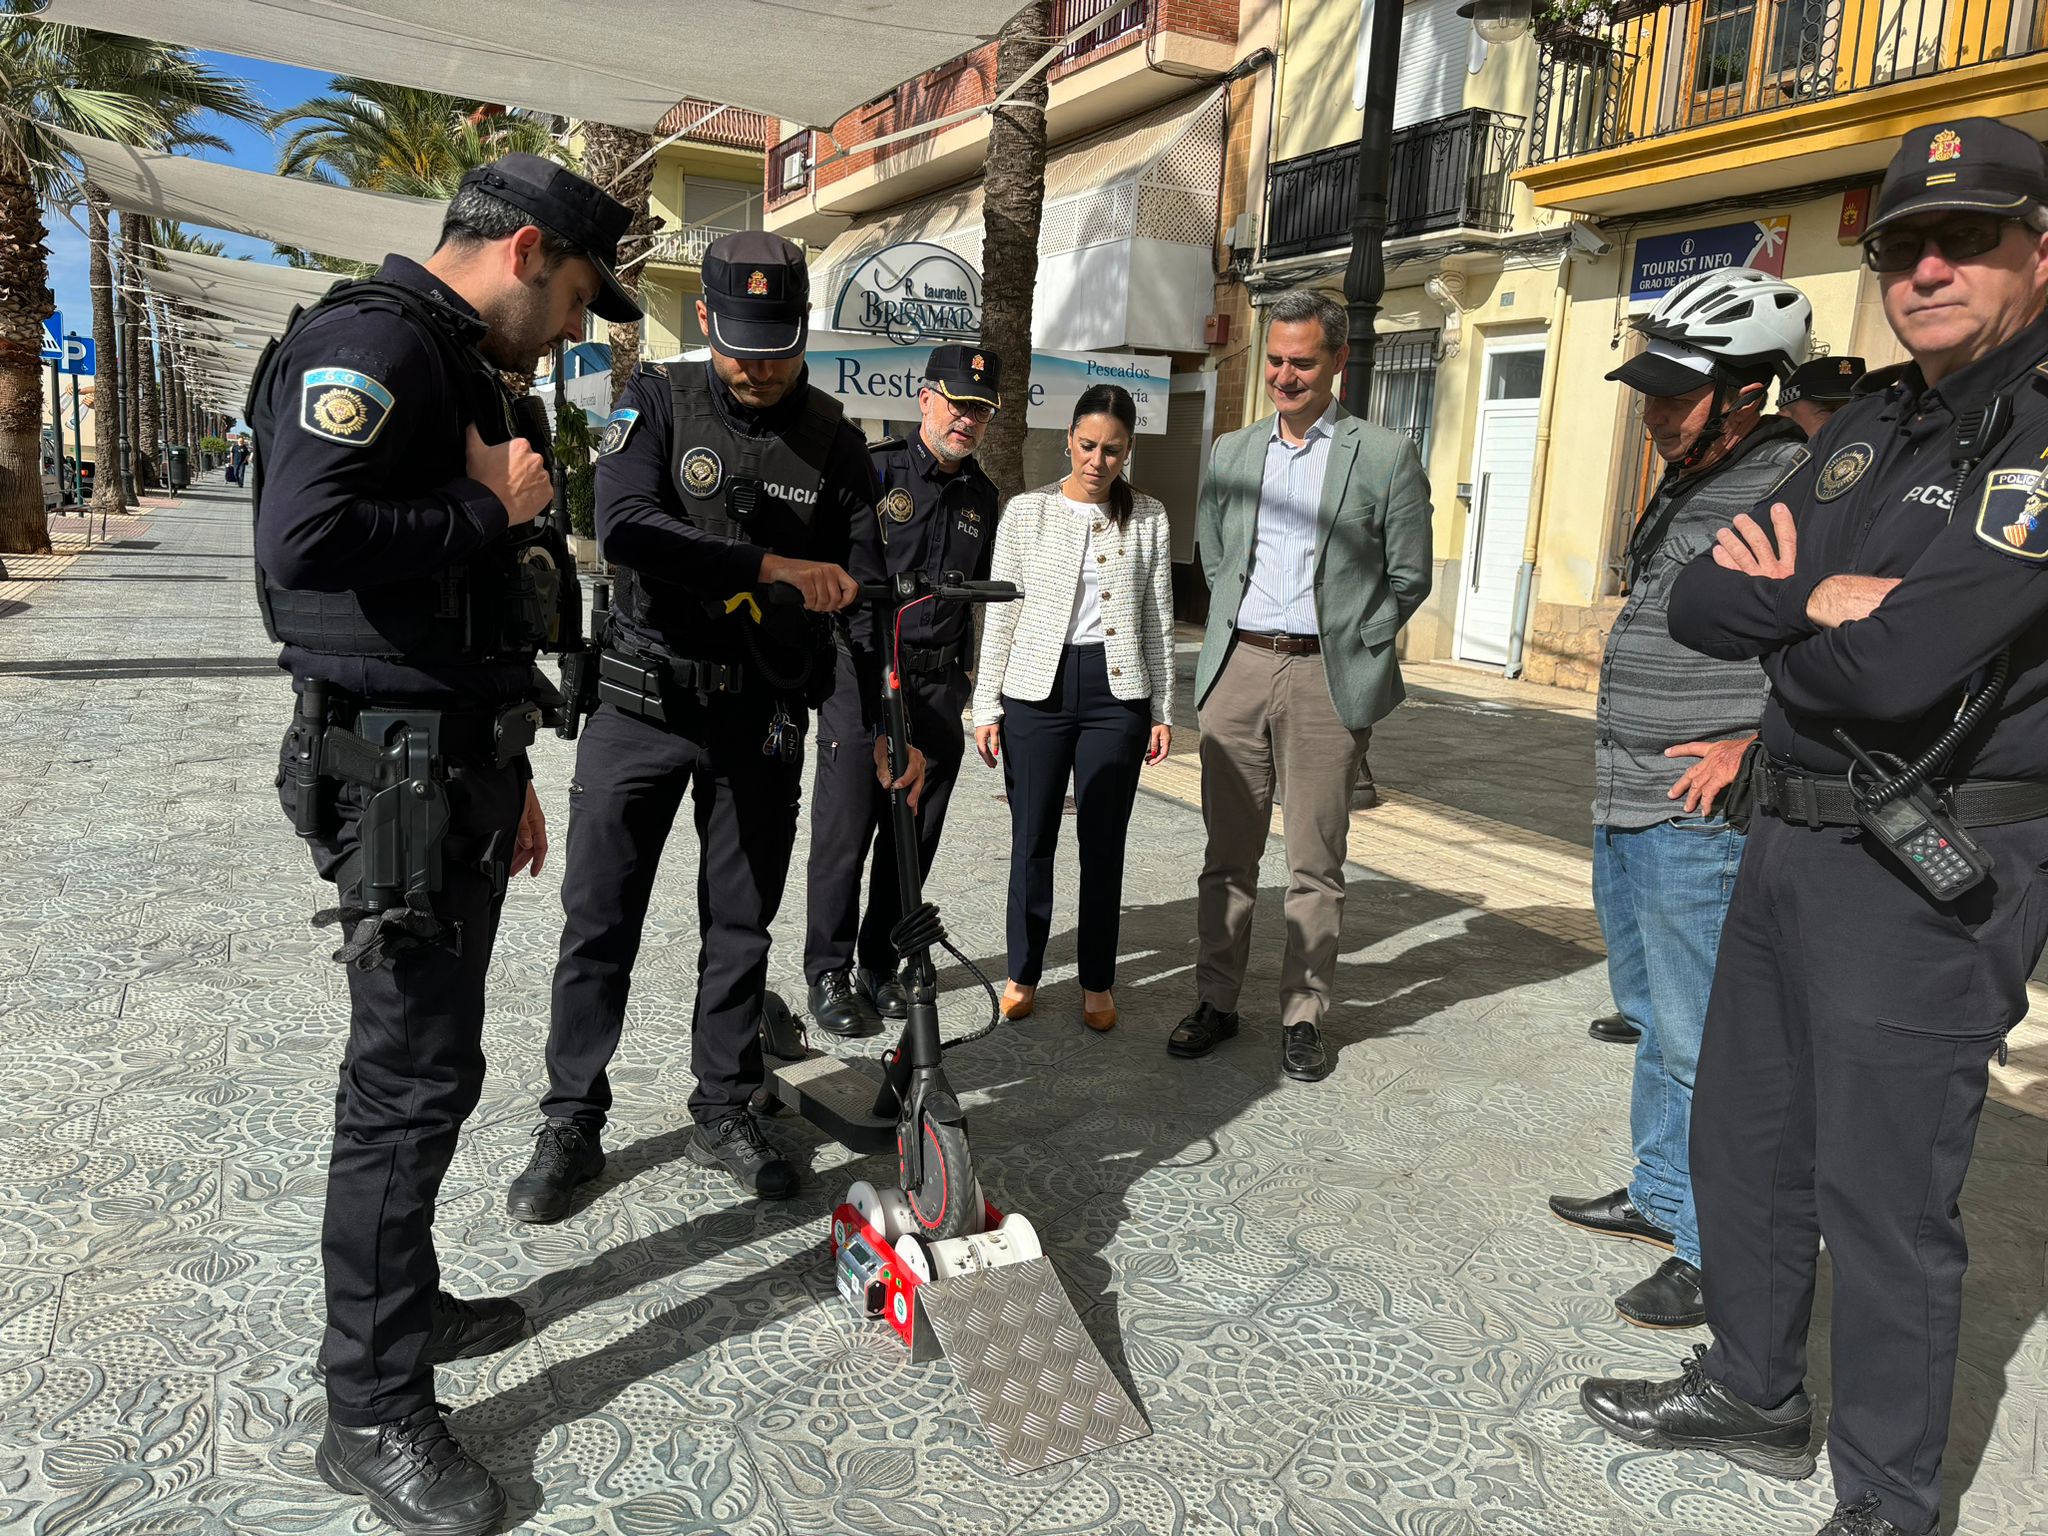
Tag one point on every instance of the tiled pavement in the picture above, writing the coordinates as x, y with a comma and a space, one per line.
1342, 1306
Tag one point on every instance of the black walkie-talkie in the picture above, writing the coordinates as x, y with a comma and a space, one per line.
1923, 834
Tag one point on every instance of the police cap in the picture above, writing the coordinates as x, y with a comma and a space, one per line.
1826, 380
1964, 165
758, 291
966, 373
566, 205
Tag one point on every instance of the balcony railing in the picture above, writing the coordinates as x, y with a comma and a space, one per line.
1450, 173
1069, 14
1645, 69
685, 247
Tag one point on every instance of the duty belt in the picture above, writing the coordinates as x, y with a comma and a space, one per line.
931, 660
495, 735
653, 687
1818, 800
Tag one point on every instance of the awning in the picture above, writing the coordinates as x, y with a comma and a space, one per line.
218, 272
335, 221
1149, 185
621, 61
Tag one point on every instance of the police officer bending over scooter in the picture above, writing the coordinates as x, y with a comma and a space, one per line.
937, 516
1889, 909
399, 565
715, 480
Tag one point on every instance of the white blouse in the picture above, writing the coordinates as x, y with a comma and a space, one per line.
1084, 624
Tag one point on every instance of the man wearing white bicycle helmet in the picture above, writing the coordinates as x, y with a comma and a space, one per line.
1671, 732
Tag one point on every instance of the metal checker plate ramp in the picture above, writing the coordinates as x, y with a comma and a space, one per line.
1034, 1378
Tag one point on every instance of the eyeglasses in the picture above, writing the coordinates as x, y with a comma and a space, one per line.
1957, 239
969, 410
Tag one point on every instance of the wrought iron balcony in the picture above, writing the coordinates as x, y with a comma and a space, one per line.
685, 247
1449, 173
1647, 68
1069, 14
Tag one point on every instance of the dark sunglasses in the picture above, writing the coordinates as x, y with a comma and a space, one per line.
1957, 239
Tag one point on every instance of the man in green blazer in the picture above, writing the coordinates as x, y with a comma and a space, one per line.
1314, 534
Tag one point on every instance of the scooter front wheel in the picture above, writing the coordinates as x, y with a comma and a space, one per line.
946, 1201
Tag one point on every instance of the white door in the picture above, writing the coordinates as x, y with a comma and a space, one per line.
1499, 519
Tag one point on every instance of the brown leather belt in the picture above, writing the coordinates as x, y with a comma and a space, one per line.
1285, 645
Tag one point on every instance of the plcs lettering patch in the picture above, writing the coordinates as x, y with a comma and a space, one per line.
2013, 517
342, 405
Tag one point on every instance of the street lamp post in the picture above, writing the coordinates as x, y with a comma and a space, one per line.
1365, 275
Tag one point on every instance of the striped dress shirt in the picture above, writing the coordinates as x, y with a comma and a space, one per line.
1280, 596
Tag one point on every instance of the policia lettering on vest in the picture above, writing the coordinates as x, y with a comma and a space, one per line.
717, 478
937, 516
1892, 904
401, 566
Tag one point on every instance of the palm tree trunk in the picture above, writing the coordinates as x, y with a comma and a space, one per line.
108, 432
1013, 201
607, 152
25, 301
137, 370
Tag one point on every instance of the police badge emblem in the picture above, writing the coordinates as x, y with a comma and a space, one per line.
1843, 470
2013, 516
898, 506
701, 472
616, 431
342, 405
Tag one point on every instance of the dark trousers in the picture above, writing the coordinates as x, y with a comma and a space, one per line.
850, 812
630, 778
1841, 1078
410, 1075
1084, 732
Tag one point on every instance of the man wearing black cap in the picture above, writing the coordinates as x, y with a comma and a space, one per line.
1817, 389
399, 568
1888, 912
937, 515
714, 480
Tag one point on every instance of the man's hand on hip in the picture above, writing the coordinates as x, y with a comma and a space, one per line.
1703, 782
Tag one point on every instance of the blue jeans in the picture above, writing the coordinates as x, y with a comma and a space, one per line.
1662, 895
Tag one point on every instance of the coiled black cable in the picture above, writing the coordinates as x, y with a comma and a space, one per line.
923, 929
1911, 776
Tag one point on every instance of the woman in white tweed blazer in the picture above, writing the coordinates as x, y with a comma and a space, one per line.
1077, 681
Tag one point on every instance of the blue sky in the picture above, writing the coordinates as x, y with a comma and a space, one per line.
273, 85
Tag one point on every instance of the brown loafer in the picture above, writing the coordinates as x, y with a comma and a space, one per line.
1017, 1002
1100, 1019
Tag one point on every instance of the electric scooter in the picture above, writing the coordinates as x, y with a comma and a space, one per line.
905, 1101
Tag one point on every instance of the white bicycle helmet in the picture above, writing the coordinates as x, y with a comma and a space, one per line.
1732, 325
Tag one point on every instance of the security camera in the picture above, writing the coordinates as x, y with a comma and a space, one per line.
1587, 239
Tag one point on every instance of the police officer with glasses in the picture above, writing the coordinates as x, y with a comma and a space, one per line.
937, 515
400, 565
716, 479
1887, 914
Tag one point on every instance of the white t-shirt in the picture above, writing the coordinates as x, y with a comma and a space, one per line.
1084, 624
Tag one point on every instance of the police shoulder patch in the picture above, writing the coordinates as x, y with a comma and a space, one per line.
2013, 516
617, 430
342, 405
1845, 466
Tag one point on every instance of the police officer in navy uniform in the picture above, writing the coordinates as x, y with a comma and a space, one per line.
1860, 996
715, 479
937, 515
1818, 388
395, 541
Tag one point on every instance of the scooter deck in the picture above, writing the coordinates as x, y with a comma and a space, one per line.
838, 1097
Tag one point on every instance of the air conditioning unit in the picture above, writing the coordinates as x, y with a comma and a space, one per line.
794, 169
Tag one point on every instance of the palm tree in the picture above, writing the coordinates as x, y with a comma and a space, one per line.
1013, 202
128, 89
621, 161
168, 235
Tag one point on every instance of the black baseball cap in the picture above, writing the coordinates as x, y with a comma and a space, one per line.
758, 290
1666, 369
590, 219
962, 372
1964, 165
1829, 380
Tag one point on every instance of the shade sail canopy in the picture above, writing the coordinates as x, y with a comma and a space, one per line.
624, 61
335, 221
231, 276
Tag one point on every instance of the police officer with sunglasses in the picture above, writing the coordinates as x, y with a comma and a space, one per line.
1893, 901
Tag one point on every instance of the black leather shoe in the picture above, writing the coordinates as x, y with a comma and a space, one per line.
464, 1330
840, 1008
1670, 1298
565, 1155
1613, 1029
886, 992
1201, 1031
735, 1144
414, 1475
1612, 1215
1862, 1519
1694, 1412
1302, 1056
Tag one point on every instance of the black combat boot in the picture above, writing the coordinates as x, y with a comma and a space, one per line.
565, 1155
841, 1008
735, 1144
1695, 1412
463, 1330
414, 1474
